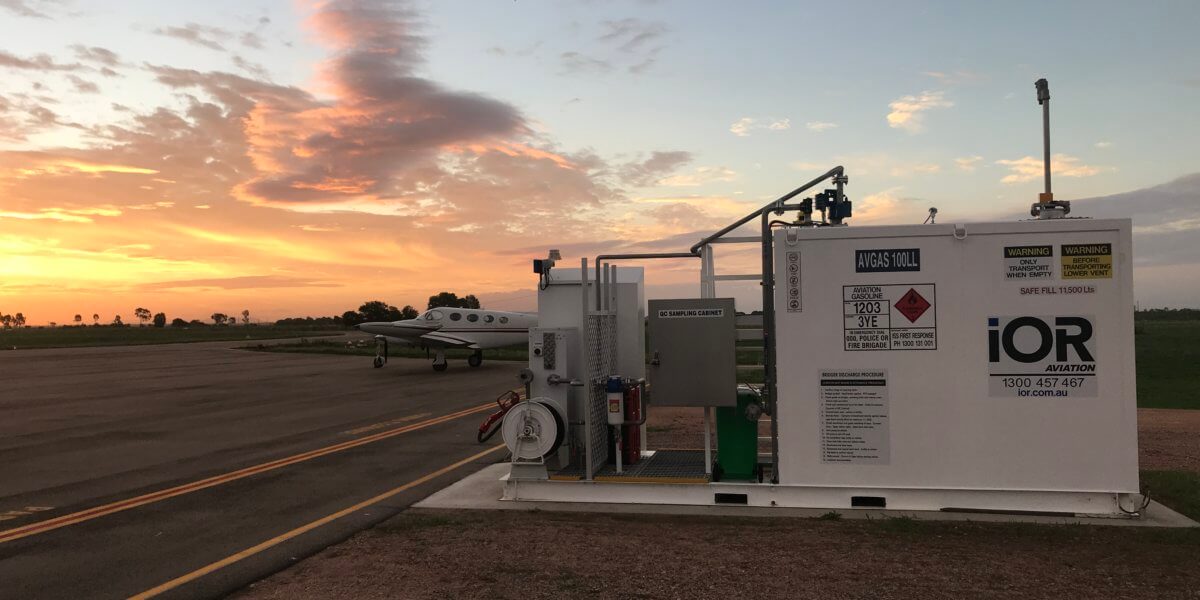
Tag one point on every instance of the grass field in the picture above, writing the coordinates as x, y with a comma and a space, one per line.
1168, 364
70, 337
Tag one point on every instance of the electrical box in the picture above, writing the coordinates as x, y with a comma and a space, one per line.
692, 352
989, 356
560, 304
553, 353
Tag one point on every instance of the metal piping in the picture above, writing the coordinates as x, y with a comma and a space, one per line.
768, 286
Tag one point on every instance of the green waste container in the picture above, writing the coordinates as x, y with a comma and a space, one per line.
737, 437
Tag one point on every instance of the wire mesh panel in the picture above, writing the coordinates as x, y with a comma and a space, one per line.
601, 357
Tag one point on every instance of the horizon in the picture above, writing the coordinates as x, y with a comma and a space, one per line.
300, 158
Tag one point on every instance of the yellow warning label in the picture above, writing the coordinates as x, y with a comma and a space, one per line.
1087, 261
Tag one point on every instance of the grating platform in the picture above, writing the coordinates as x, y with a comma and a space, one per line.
663, 466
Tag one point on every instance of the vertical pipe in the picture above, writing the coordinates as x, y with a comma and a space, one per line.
768, 291
1046, 140
612, 288
587, 377
602, 291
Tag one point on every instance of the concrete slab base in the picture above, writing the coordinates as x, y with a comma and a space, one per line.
484, 489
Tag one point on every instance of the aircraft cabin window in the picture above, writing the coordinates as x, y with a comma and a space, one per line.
434, 315
503, 319
488, 318
472, 318
455, 316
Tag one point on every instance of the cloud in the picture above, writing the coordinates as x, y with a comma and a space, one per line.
204, 36
1028, 168
82, 85
251, 39
908, 169
968, 163
247, 282
97, 55
908, 111
650, 171
632, 35
40, 62
889, 207
68, 215
575, 62
22, 8
743, 126
252, 68
960, 76
699, 176
1103, 145
819, 126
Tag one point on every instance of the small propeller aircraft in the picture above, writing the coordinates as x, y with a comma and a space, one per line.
441, 328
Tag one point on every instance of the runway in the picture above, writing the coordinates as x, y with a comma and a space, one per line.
157, 468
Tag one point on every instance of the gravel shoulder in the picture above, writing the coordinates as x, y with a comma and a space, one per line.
511, 554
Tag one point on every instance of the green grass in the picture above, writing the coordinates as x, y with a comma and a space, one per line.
366, 347
1168, 364
1179, 490
69, 337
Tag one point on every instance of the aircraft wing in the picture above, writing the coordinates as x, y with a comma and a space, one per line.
445, 339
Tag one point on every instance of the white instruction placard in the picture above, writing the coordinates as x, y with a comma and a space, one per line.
854, 417
890, 317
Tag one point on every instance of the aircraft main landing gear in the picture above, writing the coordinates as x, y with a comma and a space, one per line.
475, 359
439, 361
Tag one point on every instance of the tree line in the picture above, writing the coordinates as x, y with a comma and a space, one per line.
378, 310
374, 310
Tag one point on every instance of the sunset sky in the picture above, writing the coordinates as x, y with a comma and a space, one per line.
298, 158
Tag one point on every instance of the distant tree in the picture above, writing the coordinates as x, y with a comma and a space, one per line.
96, 319
246, 317
408, 312
160, 320
219, 318
177, 322
142, 314
53, 324
117, 321
78, 320
378, 310
197, 323
451, 300
351, 318
6, 320
19, 320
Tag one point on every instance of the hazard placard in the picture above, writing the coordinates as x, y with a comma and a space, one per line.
889, 317
1087, 261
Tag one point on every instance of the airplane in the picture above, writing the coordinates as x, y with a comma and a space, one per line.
441, 328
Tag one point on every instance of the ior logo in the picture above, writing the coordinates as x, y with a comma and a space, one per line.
1034, 339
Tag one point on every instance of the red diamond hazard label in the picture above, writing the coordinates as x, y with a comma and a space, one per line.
912, 305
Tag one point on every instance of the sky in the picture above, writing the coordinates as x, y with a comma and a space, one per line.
299, 158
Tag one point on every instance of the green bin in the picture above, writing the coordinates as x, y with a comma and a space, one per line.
737, 437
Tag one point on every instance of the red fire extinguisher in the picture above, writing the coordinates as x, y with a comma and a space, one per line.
631, 437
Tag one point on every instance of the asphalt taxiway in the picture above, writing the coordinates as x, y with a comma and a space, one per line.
190, 470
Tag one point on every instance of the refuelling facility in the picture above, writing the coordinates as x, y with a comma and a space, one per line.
942, 366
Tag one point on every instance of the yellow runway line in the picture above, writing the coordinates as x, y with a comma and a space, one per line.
279, 539
122, 505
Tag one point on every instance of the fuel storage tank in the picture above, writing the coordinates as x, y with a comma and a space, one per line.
990, 357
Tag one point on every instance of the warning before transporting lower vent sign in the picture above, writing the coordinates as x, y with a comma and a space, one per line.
854, 417
889, 317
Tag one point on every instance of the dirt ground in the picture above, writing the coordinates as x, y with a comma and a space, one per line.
520, 555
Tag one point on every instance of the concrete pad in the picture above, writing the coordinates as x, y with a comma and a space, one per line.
483, 489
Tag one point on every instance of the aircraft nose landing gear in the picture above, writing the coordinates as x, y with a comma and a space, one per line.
381, 351
439, 361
